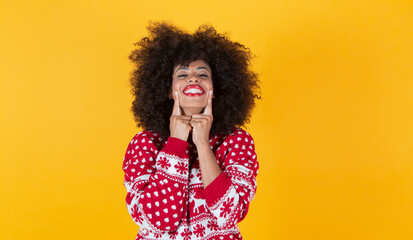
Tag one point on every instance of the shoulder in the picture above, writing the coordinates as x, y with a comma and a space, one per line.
238, 140
238, 149
237, 131
145, 137
240, 135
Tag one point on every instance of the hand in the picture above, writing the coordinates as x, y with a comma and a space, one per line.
201, 124
179, 124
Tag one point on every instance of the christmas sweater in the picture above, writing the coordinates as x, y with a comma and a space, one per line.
165, 194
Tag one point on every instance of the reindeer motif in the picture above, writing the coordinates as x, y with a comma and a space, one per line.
195, 198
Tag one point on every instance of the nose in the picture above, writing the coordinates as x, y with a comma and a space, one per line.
193, 80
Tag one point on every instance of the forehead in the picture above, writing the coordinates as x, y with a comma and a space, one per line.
198, 64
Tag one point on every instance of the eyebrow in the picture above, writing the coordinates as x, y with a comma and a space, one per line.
187, 68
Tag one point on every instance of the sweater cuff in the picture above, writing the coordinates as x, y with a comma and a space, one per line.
217, 189
176, 146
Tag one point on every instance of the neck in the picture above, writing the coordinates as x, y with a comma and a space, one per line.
190, 111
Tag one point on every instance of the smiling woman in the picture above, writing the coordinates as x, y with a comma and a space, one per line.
191, 173
156, 58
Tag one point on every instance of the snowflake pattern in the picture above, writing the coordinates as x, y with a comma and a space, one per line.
199, 175
226, 208
181, 167
186, 234
199, 230
173, 235
136, 214
212, 225
164, 164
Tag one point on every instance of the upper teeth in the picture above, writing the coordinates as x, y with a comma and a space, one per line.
193, 90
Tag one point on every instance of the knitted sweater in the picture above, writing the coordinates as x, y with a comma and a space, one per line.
165, 193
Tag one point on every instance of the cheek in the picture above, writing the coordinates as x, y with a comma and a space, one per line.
175, 86
180, 85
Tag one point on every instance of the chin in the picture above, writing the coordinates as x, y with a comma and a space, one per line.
193, 106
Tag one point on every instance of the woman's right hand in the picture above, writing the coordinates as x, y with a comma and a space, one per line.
179, 124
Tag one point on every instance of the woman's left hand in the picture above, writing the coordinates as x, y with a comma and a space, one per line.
201, 124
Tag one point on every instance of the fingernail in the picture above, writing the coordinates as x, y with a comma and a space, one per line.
210, 92
176, 93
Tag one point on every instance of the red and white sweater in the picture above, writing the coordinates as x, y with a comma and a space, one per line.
165, 193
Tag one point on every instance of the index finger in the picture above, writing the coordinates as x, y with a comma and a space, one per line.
208, 108
176, 109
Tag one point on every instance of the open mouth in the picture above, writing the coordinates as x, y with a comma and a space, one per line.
193, 91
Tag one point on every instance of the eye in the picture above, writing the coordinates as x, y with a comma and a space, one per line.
182, 75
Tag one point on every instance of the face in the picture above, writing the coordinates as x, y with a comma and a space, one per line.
197, 74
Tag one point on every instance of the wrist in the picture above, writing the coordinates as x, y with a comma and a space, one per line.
204, 145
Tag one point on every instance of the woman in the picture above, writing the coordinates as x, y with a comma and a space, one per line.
191, 173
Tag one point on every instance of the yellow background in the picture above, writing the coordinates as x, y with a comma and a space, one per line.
333, 131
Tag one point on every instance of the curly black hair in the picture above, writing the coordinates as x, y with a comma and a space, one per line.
155, 57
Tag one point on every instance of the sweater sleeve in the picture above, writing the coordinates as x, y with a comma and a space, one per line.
156, 182
229, 195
